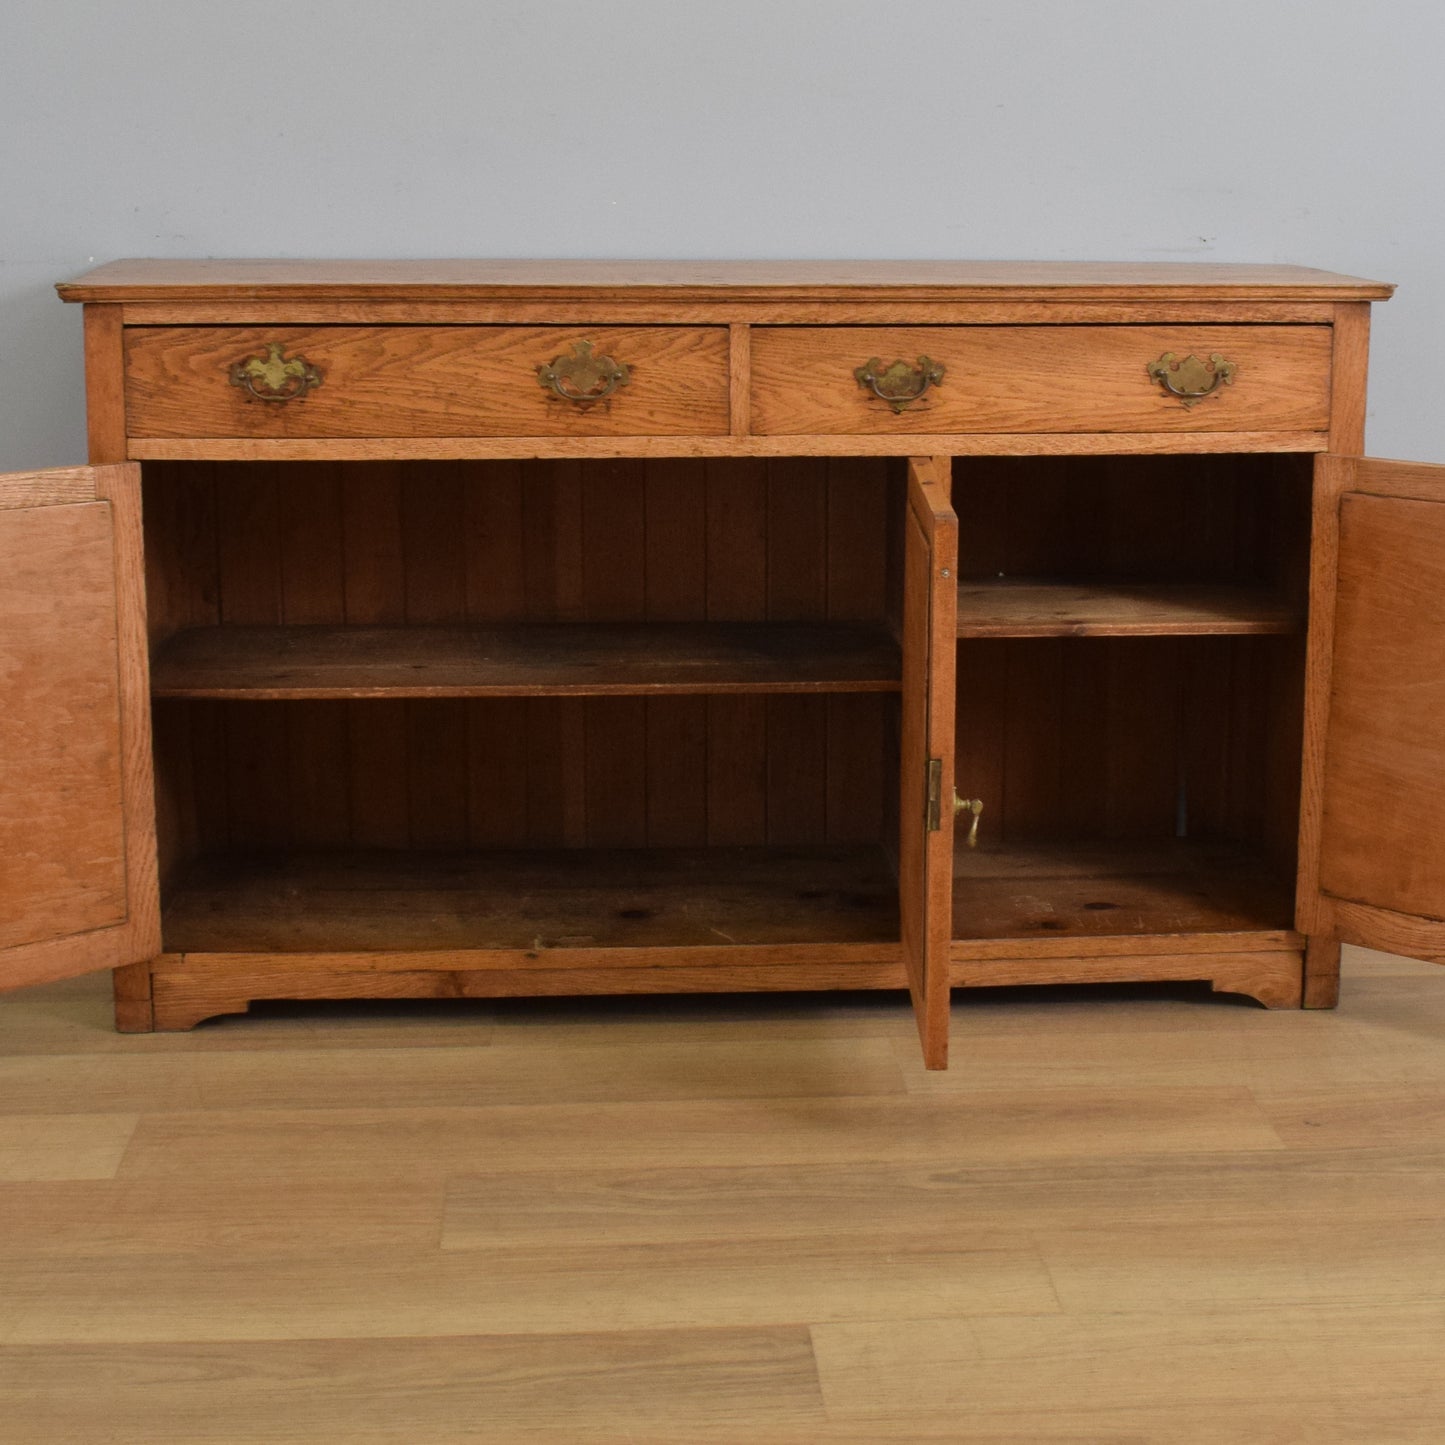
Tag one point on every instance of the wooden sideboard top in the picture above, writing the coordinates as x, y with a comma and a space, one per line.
480, 280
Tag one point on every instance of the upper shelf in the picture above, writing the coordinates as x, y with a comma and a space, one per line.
1056, 609
483, 280
590, 659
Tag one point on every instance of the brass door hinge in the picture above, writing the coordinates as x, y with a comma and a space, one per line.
933, 811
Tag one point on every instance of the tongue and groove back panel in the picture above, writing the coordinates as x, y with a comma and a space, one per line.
523, 542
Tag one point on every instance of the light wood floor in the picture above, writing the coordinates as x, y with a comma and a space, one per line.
1131, 1216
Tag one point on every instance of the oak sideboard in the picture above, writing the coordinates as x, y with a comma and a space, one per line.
472, 629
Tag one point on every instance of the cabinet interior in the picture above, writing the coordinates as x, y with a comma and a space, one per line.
525, 703
1130, 693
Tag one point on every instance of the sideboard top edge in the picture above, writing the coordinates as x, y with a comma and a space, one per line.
520, 280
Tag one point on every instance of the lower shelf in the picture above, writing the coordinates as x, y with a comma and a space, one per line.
1093, 891
533, 902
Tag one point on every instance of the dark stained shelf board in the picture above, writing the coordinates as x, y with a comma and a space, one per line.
1092, 890
1061, 609
527, 660
358, 902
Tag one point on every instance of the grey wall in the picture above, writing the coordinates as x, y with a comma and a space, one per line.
1237, 130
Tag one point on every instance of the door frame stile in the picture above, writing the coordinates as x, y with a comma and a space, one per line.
935, 855
106, 438
1333, 475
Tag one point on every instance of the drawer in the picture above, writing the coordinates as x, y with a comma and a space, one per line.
425, 381
1039, 379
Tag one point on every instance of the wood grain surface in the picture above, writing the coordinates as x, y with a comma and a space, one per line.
1095, 890
1384, 779
1059, 609
925, 839
594, 659
960, 444
581, 1222
530, 902
458, 280
1039, 379
77, 841
425, 382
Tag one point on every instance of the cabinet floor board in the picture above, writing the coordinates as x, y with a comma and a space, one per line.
1092, 890
540, 899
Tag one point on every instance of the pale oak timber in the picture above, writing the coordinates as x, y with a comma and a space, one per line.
925, 793
1061, 444
1076, 912
1078, 1361
196, 986
1039, 379
78, 871
1382, 843
1383, 928
105, 384
1333, 475
739, 378
1349, 376
515, 1073
533, 901
424, 382
64, 1146
584, 281
359, 1295
1270, 977
190, 988
60, 487
1409, 481
592, 535
161, 1255
106, 440
561, 1384
720, 312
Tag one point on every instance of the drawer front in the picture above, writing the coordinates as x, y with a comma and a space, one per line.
425, 381
1039, 379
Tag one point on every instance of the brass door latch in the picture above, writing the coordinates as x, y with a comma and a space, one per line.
933, 804
969, 805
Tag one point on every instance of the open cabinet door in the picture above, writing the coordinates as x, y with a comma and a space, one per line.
1382, 856
925, 849
78, 884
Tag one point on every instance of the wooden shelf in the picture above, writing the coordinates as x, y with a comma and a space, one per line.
527, 660
533, 902
1060, 609
1092, 890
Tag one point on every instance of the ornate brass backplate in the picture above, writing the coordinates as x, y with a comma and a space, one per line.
1191, 379
583, 378
898, 383
275, 377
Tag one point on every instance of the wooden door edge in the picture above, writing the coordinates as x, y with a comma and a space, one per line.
1406, 934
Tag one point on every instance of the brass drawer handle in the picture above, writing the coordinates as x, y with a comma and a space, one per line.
898, 384
1189, 378
583, 378
275, 377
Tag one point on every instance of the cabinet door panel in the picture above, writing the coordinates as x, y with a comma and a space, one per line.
77, 838
1383, 834
925, 851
